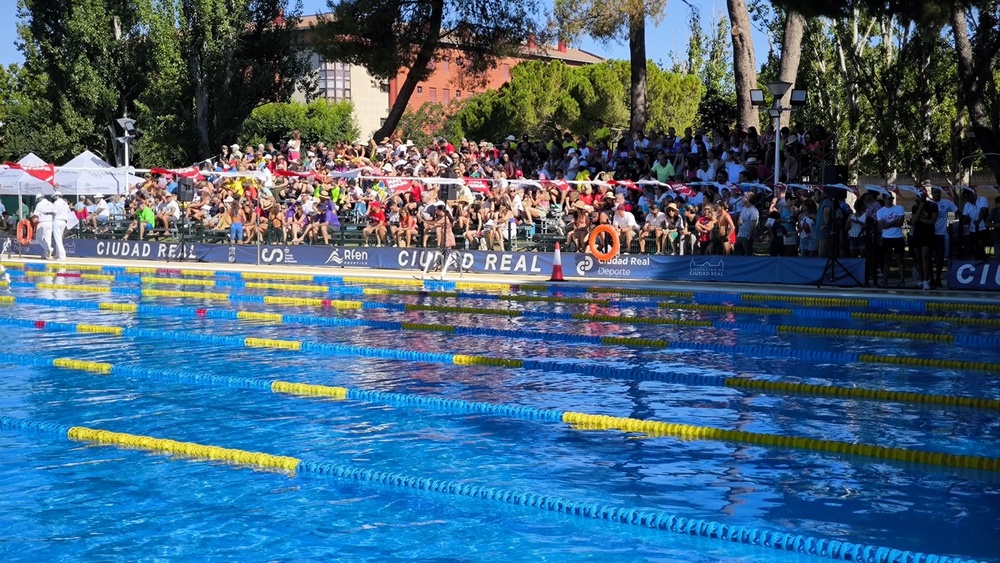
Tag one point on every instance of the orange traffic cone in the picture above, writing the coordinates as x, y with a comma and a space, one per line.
557, 275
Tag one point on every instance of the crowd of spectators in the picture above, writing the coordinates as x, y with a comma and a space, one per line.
667, 194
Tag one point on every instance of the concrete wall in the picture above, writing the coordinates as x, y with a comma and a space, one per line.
371, 104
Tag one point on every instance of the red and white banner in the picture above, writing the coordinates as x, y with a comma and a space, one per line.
627, 183
45, 173
561, 185
191, 172
478, 185
296, 174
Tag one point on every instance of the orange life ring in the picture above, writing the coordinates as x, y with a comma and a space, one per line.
604, 256
25, 232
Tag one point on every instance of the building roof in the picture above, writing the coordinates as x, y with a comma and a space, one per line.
568, 54
550, 52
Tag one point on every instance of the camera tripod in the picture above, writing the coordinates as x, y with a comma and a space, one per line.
829, 274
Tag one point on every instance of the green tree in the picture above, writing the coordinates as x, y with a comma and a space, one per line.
91, 59
616, 21
319, 120
424, 124
385, 36
229, 57
484, 116
189, 71
717, 107
544, 99
977, 52
744, 63
673, 97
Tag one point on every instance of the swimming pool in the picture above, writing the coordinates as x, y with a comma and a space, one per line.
423, 458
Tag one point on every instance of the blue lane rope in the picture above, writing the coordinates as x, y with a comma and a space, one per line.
707, 297
634, 374
977, 341
645, 518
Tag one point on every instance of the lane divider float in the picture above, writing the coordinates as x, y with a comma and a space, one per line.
754, 327
646, 518
708, 297
592, 369
576, 420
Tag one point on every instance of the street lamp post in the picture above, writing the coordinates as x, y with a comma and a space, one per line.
128, 127
778, 90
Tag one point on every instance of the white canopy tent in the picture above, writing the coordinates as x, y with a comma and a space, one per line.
87, 174
14, 181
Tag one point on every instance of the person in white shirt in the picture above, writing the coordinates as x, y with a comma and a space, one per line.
45, 213
705, 171
656, 220
890, 220
733, 169
60, 219
100, 215
942, 238
624, 222
974, 214
116, 208
168, 211
746, 226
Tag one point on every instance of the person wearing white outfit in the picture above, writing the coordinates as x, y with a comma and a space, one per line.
45, 213
59, 221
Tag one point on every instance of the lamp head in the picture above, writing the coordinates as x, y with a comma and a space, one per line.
778, 88
128, 126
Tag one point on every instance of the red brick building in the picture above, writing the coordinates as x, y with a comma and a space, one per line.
373, 98
446, 84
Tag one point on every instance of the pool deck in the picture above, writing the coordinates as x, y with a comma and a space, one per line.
937, 295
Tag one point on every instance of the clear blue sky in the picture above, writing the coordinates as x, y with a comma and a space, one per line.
672, 34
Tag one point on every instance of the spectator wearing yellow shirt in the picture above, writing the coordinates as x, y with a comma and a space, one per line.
602, 133
568, 142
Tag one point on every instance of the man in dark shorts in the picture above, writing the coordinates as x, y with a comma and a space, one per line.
925, 214
890, 220
942, 238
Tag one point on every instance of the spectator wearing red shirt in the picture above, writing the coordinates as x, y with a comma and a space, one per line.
377, 224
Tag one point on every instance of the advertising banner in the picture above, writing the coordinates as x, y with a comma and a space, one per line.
974, 275
739, 269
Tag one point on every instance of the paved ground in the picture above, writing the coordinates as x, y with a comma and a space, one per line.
941, 295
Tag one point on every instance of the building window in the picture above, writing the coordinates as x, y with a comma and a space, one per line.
334, 80
446, 96
458, 93
506, 71
420, 89
445, 67
434, 94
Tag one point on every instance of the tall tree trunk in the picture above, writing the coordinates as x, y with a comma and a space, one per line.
413, 76
926, 37
637, 61
970, 78
791, 54
200, 107
744, 64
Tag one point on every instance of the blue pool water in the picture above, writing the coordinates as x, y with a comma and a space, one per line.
70, 500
